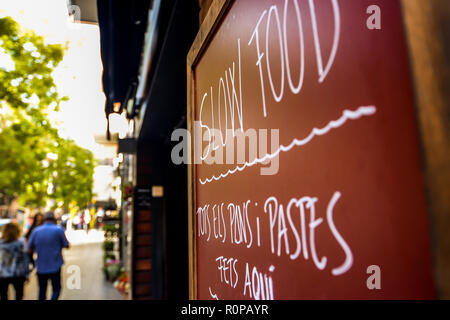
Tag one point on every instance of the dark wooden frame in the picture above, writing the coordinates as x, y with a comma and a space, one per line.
430, 73
210, 24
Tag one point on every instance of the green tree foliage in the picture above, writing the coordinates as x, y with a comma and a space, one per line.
74, 170
27, 83
35, 163
24, 169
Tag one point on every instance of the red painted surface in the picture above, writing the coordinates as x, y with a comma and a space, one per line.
364, 170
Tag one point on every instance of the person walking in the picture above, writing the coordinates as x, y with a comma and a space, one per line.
37, 221
48, 241
13, 261
87, 220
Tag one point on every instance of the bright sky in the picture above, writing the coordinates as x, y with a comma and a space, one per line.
79, 74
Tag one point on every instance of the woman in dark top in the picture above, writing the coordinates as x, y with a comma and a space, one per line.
13, 261
37, 221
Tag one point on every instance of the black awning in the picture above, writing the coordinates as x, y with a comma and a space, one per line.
122, 29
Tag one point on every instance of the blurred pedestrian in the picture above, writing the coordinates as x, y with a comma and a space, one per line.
87, 220
48, 241
37, 221
76, 222
81, 226
64, 220
99, 218
13, 261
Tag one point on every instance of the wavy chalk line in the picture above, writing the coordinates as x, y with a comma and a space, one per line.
334, 124
214, 296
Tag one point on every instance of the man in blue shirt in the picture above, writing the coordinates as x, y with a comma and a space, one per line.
48, 241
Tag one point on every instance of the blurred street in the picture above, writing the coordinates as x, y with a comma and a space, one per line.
85, 252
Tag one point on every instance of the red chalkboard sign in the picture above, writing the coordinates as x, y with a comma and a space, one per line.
305, 179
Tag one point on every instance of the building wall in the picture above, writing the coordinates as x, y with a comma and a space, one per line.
142, 233
161, 259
